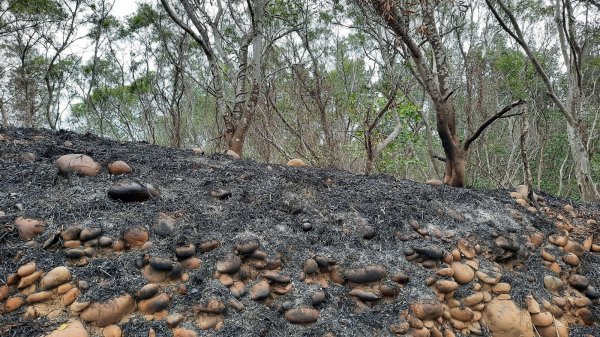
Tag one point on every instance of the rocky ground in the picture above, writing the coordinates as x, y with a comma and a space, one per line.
174, 242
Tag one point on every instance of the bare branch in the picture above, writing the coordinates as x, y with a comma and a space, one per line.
490, 121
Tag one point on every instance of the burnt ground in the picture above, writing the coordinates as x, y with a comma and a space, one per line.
268, 204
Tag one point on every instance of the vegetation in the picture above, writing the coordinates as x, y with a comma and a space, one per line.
485, 93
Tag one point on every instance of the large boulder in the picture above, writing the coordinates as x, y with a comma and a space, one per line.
79, 163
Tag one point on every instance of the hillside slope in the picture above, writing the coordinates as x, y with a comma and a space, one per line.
237, 248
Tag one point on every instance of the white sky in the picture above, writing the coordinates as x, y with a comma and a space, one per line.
124, 7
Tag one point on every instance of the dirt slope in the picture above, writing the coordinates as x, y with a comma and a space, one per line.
238, 248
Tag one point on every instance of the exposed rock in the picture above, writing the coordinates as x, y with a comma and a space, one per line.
184, 252
42, 296
79, 163
296, 162
504, 319
430, 251
26, 269
70, 297
317, 297
260, 291
164, 225
247, 247
30, 279
73, 328
136, 237
365, 295
229, 265
154, 304
112, 331
302, 315
119, 167
446, 286
181, 332
427, 309
310, 266
367, 274
147, 291
55, 277
463, 274
578, 282
132, 191
109, 312
13, 304
29, 228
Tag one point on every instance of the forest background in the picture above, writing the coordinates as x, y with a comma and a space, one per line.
505, 91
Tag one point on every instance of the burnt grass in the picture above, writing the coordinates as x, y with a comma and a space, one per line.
268, 203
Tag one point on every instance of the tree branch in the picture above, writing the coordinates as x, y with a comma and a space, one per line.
490, 121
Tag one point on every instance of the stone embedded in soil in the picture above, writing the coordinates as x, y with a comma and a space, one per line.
260, 291
71, 233
13, 304
247, 247
4, 290
29, 228
310, 266
119, 167
506, 243
553, 283
161, 263
463, 274
154, 304
591, 293
504, 319
55, 277
132, 191
229, 265
191, 263
213, 306
317, 297
462, 314
430, 251
542, 319
501, 288
558, 329
571, 259
366, 232
112, 331
136, 237
238, 289
105, 241
173, 320
532, 305
574, 248
72, 328
70, 297
109, 312
184, 252
78, 163
90, 233
30, 279
164, 225
232, 154
296, 162
302, 315
367, 274
220, 194
147, 291
578, 282
586, 316
473, 300
558, 240
446, 286
182, 332
276, 277
26, 269
466, 249
365, 294
427, 309
41, 296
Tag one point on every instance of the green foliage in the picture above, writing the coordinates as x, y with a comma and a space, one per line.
32, 8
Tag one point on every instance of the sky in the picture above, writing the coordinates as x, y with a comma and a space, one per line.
124, 7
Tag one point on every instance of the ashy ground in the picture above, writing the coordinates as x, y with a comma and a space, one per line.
209, 245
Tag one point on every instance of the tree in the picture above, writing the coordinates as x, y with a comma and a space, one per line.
435, 80
573, 53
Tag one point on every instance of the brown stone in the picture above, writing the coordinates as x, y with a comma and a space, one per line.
79, 163
119, 167
558, 329
466, 249
547, 256
154, 304
434, 182
233, 154
153, 275
213, 306
296, 162
542, 319
427, 309
4, 290
70, 297
29, 279
302, 315
29, 228
181, 332
571, 259
558, 240
501, 288
42, 296
537, 239
26, 269
446, 286
238, 289
504, 319
109, 312
13, 304
260, 291
423, 332
229, 265
473, 299
586, 316
73, 328
207, 246
310, 266
462, 273
55, 277
532, 305
463, 314
574, 247
367, 274
112, 331
135, 237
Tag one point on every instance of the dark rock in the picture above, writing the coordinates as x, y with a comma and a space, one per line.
247, 247
317, 297
147, 291
578, 282
367, 232
276, 277
368, 274
70, 233
105, 241
176, 273
75, 253
132, 191
184, 252
302, 315
164, 226
230, 265
89, 233
430, 251
306, 226
591, 293
506, 244
221, 194
161, 264
322, 261
310, 266
365, 295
